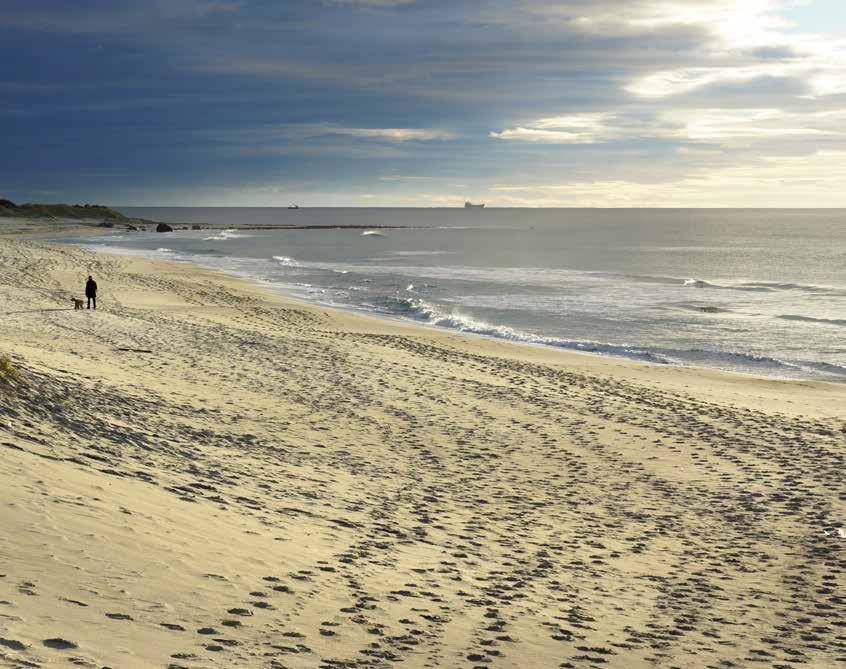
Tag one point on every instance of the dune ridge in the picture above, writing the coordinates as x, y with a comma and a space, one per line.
280, 485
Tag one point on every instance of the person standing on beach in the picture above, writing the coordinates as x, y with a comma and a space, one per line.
91, 292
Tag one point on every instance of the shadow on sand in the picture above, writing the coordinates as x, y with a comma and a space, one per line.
35, 311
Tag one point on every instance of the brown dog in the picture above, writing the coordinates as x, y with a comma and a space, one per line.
77, 304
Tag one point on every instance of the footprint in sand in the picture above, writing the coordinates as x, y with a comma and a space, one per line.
73, 601
58, 643
240, 612
14, 644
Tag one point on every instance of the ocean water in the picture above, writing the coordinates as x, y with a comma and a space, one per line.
753, 291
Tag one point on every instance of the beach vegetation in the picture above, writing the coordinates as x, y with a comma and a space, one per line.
64, 211
9, 374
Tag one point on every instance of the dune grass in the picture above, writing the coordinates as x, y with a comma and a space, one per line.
8, 372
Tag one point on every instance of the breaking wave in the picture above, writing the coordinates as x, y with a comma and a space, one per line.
699, 283
225, 235
430, 314
811, 319
761, 363
805, 288
762, 286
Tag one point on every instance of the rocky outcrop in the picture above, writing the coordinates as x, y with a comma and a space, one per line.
163, 227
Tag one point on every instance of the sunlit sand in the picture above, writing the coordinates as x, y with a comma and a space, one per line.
202, 474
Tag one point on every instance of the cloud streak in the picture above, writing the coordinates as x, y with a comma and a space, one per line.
712, 125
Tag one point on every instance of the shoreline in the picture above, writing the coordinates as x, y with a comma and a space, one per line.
354, 309
261, 482
608, 363
374, 320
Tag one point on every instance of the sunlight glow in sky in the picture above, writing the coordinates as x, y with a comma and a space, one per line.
424, 102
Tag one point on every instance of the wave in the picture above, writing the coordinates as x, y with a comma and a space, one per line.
431, 314
755, 363
806, 288
826, 368
286, 261
544, 276
703, 308
761, 286
423, 253
225, 235
699, 283
811, 319
745, 286
372, 233
156, 254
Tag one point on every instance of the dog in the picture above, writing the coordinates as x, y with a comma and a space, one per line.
77, 304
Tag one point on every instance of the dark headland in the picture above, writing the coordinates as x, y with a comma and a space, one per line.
105, 217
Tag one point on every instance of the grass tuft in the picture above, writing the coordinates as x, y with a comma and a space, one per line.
8, 372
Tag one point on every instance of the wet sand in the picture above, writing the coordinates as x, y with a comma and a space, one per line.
279, 485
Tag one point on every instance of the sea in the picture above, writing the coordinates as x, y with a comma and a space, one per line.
759, 292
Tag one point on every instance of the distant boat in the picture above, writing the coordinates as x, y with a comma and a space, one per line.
470, 205
294, 206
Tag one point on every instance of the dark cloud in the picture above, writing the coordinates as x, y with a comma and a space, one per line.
184, 91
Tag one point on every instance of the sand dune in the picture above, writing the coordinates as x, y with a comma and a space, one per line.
279, 485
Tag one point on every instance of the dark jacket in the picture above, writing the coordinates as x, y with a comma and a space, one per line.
91, 288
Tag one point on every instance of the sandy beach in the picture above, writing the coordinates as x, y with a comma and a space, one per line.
205, 474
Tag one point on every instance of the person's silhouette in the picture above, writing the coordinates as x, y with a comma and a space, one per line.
91, 292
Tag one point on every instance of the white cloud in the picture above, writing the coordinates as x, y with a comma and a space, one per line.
544, 136
567, 129
716, 126
807, 181
750, 19
740, 21
822, 76
724, 125
295, 132
749, 41
387, 134
676, 82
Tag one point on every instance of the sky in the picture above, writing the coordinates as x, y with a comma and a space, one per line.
522, 103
